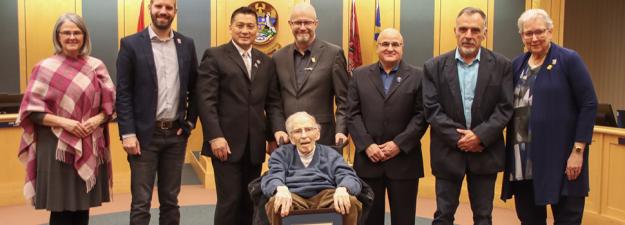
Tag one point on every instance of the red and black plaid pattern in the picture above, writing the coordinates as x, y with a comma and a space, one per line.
74, 88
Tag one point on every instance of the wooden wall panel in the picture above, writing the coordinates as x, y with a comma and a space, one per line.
366, 23
445, 21
128, 16
38, 18
224, 10
615, 153
595, 165
600, 43
555, 8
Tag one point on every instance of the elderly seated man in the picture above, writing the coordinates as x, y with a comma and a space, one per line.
306, 175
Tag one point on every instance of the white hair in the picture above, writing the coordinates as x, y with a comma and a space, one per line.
533, 14
297, 115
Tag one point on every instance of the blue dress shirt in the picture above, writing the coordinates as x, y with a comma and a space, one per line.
467, 76
387, 78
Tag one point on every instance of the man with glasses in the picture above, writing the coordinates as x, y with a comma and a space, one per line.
237, 97
386, 121
307, 175
467, 96
313, 76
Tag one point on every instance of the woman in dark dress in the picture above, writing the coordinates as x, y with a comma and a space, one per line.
552, 125
64, 113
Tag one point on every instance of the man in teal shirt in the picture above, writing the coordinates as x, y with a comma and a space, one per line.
467, 76
467, 97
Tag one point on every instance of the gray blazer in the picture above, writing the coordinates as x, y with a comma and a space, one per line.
324, 85
490, 112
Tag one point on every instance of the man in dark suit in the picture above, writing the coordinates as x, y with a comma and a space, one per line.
467, 96
313, 75
386, 121
156, 110
237, 93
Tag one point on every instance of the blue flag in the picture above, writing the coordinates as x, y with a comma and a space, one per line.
378, 24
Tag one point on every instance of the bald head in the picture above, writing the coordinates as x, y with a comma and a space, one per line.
304, 9
390, 48
391, 33
303, 24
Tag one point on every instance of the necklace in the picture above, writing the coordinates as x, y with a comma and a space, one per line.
534, 62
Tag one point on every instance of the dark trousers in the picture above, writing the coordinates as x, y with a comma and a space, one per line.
234, 206
80, 217
163, 158
402, 197
568, 211
481, 191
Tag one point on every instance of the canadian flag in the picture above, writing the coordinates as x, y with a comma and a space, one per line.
140, 23
354, 57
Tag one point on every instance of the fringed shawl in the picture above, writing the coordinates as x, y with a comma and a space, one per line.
74, 88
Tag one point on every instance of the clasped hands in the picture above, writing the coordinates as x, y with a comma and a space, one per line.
283, 201
380, 153
469, 142
82, 129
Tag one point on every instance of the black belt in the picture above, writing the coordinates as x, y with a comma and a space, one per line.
165, 125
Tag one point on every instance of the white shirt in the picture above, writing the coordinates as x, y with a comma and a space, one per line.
167, 74
306, 159
246, 60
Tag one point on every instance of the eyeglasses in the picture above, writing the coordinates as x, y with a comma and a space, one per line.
540, 33
300, 131
386, 44
70, 33
306, 23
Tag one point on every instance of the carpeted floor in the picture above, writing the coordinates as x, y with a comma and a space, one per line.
190, 215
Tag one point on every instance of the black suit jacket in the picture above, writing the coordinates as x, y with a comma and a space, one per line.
490, 112
325, 84
377, 118
233, 106
137, 87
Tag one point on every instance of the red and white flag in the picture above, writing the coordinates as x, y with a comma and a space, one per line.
354, 56
140, 23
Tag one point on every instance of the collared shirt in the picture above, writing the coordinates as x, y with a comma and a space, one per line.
167, 74
387, 78
467, 77
303, 64
246, 60
306, 159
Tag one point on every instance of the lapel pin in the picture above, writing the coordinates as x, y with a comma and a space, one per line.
549, 67
178, 39
554, 61
308, 69
398, 79
313, 60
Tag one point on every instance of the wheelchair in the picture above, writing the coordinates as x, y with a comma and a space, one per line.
259, 200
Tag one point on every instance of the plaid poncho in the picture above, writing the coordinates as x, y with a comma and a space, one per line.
74, 88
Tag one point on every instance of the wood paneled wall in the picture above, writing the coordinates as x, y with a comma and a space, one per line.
595, 30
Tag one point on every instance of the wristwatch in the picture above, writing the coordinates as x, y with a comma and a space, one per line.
578, 149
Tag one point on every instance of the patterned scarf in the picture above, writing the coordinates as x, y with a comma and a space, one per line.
74, 88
